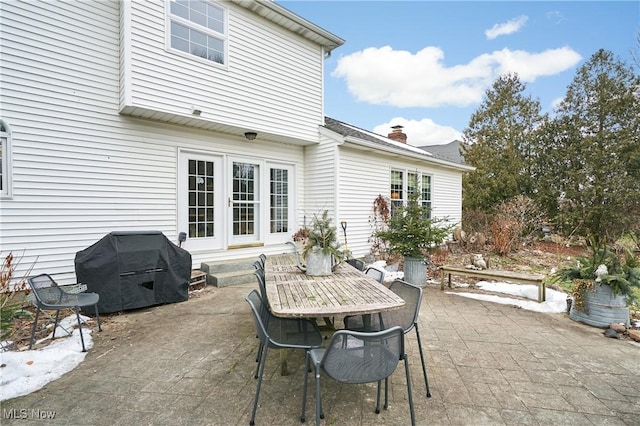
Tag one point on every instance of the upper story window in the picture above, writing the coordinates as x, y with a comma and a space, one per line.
198, 28
5, 160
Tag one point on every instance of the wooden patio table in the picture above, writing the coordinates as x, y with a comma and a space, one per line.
292, 293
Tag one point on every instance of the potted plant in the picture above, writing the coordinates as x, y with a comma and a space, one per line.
412, 233
300, 237
602, 283
321, 250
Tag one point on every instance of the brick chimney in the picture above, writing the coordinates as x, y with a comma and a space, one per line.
397, 134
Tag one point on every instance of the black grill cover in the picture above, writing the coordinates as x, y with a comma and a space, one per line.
131, 270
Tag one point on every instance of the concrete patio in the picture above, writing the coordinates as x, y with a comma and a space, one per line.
192, 363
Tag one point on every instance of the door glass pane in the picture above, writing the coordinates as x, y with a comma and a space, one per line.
279, 201
245, 196
201, 199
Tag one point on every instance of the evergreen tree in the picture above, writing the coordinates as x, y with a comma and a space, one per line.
592, 151
500, 143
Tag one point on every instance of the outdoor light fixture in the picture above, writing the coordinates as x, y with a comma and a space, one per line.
250, 135
196, 111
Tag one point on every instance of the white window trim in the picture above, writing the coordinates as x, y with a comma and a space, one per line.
7, 168
405, 184
223, 36
280, 237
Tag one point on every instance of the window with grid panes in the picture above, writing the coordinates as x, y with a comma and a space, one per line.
425, 192
201, 196
197, 27
4, 160
279, 201
415, 182
397, 190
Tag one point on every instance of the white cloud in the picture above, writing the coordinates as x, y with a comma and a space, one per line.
556, 103
384, 76
556, 16
420, 132
506, 28
530, 66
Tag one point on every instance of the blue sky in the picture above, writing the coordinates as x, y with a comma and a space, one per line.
427, 64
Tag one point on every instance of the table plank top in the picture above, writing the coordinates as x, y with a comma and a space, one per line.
292, 293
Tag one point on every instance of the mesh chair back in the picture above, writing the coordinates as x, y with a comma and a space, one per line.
46, 290
259, 273
259, 314
282, 332
51, 297
374, 273
355, 357
356, 263
406, 316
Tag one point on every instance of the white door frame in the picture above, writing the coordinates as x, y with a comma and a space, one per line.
202, 217
245, 202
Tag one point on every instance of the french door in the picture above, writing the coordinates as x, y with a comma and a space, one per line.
200, 200
233, 202
245, 203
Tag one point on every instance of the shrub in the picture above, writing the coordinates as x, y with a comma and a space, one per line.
11, 306
515, 222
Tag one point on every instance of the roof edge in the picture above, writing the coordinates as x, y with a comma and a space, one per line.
319, 35
367, 139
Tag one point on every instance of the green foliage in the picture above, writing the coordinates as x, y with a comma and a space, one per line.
499, 142
323, 234
581, 165
590, 153
411, 232
622, 271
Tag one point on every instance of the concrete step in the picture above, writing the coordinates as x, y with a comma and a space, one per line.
229, 272
231, 278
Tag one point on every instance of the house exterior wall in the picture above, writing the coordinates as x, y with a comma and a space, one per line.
272, 81
75, 76
365, 175
80, 169
321, 179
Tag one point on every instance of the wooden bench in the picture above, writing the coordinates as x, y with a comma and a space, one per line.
498, 275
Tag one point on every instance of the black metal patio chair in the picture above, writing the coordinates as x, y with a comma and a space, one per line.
50, 297
356, 263
375, 273
355, 357
405, 317
278, 333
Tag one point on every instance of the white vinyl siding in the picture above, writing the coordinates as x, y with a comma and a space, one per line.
365, 175
322, 180
272, 81
80, 169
